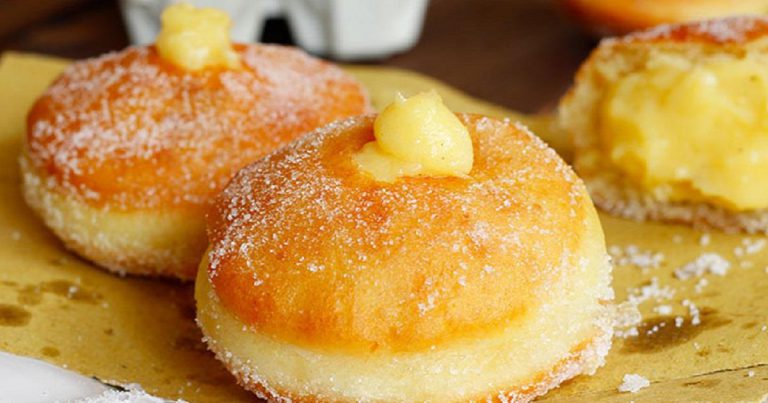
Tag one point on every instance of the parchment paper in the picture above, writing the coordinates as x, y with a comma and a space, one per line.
59, 308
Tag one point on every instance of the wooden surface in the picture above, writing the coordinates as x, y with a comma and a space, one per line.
520, 54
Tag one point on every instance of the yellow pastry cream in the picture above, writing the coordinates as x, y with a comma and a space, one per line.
417, 136
195, 38
692, 131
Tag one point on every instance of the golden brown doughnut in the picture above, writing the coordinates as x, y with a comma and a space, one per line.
703, 162
622, 16
125, 151
323, 284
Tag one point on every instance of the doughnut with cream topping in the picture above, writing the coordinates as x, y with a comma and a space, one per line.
330, 279
124, 152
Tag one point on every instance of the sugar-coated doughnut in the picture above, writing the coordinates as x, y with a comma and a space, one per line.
124, 152
623, 16
669, 124
324, 284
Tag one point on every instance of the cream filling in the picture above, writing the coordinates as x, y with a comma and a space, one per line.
195, 38
417, 136
690, 131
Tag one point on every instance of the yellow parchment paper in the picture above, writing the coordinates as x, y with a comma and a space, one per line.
59, 308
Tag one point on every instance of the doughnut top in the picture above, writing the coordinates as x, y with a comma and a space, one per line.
307, 248
133, 131
724, 31
622, 16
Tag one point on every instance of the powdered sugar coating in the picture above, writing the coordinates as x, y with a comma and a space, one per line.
131, 131
407, 260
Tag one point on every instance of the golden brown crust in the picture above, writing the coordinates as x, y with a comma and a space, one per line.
158, 243
129, 130
724, 31
726, 34
308, 249
613, 195
609, 17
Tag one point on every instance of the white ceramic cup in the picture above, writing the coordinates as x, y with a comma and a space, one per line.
340, 29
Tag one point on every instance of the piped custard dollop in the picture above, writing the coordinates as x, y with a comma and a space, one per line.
692, 131
196, 38
417, 136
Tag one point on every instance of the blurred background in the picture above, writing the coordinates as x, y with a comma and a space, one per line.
517, 53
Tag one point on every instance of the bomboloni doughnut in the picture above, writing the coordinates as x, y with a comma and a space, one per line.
623, 16
669, 124
345, 267
125, 152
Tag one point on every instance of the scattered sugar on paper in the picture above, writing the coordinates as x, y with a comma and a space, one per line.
632, 383
651, 291
699, 287
753, 246
706, 263
663, 309
627, 326
634, 256
693, 311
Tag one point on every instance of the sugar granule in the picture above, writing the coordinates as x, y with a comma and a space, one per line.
632, 383
693, 310
753, 246
705, 263
632, 255
699, 287
650, 291
663, 309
